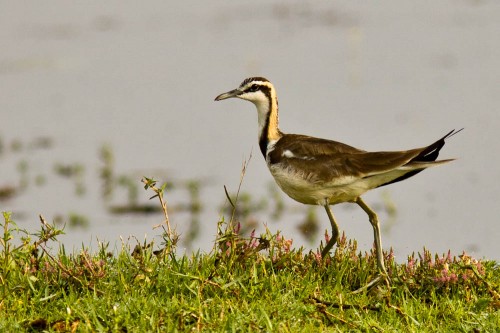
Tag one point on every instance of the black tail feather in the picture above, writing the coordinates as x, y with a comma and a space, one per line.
429, 154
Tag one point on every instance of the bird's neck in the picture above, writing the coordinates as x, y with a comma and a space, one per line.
268, 122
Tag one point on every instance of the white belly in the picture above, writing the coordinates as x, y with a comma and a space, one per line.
315, 193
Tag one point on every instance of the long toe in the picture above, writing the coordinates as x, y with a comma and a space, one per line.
373, 283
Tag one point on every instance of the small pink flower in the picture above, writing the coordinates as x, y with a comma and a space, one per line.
449, 259
317, 256
390, 256
327, 237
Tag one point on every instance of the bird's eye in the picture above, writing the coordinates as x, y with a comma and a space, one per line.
254, 88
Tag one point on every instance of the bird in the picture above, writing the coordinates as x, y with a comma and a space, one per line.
316, 171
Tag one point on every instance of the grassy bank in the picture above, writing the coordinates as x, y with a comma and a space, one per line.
246, 283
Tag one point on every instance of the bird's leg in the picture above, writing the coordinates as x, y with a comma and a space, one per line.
376, 233
378, 244
335, 232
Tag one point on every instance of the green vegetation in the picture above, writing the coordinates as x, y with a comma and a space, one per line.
246, 283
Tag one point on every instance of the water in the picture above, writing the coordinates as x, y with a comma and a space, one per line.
143, 78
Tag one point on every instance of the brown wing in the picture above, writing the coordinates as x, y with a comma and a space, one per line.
304, 147
320, 160
373, 163
344, 168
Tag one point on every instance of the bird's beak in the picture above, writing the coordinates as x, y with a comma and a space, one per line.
229, 94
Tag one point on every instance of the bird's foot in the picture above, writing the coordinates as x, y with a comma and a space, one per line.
381, 277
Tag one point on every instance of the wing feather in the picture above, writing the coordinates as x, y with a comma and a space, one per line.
325, 161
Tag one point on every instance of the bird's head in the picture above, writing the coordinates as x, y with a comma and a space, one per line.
257, 90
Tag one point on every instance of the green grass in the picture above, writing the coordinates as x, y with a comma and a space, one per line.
256, 283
